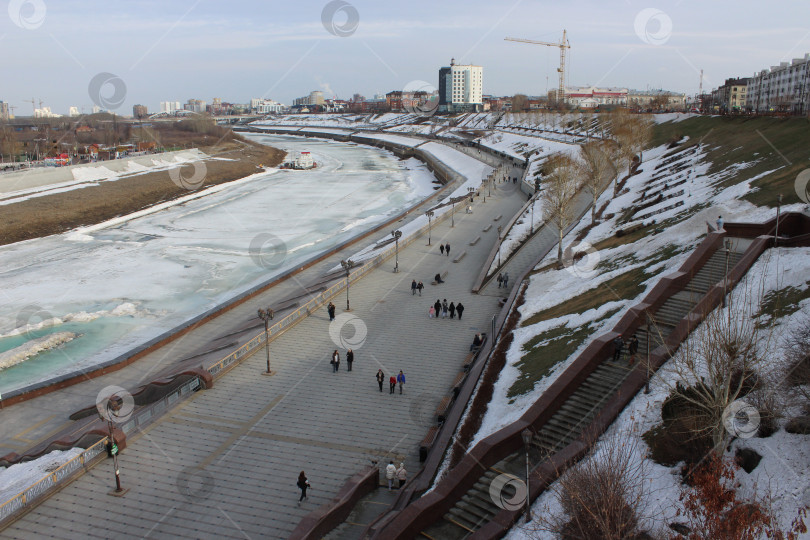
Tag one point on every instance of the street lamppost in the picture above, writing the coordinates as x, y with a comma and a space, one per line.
453, 212
347, 265
778, 209
526, 435
499, 246
111, 406
531, 225
429, 215
727, 303
647, 383
396, 234
266, 315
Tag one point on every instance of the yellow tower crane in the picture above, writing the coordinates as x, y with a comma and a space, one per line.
563, 44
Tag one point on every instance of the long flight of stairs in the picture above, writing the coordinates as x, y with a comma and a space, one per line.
478, 506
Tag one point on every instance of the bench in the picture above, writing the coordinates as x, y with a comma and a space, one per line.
487, 228
441, 410
427, 442
444, 275
468, 360
457, 383
459, 257
496, 218
477, 239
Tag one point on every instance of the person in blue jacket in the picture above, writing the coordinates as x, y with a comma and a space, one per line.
401, 380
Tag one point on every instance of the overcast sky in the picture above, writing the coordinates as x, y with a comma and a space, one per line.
170, 50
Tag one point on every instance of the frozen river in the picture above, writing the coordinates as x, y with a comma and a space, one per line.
74, 300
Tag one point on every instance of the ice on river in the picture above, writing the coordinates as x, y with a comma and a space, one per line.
117, 286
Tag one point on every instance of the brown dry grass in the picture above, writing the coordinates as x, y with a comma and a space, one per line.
54, 214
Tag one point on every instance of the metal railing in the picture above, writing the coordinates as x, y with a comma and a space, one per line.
30, 495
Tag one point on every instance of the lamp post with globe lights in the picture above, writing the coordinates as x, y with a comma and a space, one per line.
347, 265
429, 214
107, 410
396, 234
526, 435
266, 315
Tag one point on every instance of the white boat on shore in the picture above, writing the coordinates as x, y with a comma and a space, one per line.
301, 161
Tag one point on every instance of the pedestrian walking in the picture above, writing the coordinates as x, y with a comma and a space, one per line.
452, 309
419, 287
506, 279
303, 485
445, 308
380, 378
460, 309
500, 280
441, 248
349, 358
632, 348
431, 312
618, 344
413, 287
447, 249
390, 474
335, 361
438, 307
392, 384
402, 475
401, 380
330, 309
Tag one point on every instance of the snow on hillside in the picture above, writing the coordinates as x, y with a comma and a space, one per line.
702, 197
782, 475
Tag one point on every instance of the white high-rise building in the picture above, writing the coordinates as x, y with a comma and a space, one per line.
467, 84
96, 109
170, 107
74, 111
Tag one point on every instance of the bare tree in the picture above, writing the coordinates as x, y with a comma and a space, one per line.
597, 169
559, 186
719, 364
603, 496
519, 102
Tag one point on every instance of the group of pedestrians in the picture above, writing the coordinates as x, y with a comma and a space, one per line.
335, 361
445, 249
443, 310
503, 280
393, 381
618, 347
393, 473
417, 287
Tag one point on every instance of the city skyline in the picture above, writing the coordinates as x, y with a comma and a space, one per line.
161, 52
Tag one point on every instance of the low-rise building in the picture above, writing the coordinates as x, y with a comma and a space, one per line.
656, 99
575, 95
265, 106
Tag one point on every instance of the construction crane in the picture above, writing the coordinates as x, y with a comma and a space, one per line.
563, 44
33, 105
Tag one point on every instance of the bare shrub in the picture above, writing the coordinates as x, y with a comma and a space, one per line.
797, 359
713, 511
602, 496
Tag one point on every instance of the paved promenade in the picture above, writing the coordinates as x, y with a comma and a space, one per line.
224, 463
